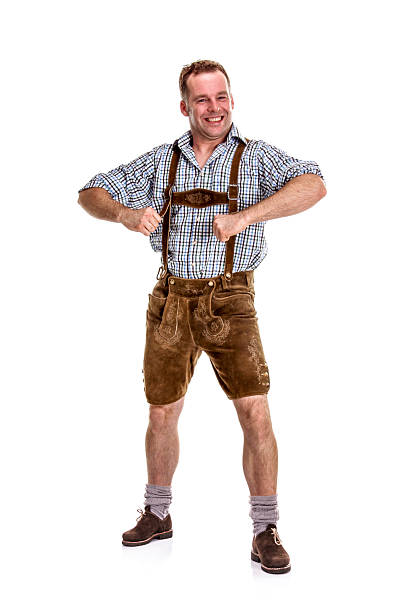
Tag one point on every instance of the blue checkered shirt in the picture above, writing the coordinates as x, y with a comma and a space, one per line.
194, 251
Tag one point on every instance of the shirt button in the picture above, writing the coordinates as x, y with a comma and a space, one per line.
172, 281
228, 275
210, 283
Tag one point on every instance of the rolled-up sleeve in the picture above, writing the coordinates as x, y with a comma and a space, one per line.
277, 168
130, 184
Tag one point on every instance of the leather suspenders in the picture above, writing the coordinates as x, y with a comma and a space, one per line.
166, 210
200, 198
232, 207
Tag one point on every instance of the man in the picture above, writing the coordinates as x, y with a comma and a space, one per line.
203, 202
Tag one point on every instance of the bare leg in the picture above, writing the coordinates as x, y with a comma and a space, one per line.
162, 442
260, 454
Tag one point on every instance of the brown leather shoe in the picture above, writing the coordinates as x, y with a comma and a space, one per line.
148, 527
267, 550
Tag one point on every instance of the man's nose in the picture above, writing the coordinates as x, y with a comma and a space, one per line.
213, 105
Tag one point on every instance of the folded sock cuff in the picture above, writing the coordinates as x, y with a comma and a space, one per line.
158, 497
263, 511
263, 498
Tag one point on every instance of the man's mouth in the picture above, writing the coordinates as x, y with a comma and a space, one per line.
217, 119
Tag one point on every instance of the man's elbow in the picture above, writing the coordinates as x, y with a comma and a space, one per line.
81, 197
86, 199
321, 190
314, 184
90, 194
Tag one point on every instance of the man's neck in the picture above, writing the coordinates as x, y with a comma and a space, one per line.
203, 147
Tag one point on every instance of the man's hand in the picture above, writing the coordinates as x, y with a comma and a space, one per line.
225, 226
143, 220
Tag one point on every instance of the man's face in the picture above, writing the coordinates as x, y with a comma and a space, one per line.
209, 106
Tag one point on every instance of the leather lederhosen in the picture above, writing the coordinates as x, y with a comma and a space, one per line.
200, 198
186, 316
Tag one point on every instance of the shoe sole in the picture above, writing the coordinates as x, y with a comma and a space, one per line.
157, 536
270, 570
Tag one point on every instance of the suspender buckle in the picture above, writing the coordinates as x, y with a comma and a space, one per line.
160, 273
234, 189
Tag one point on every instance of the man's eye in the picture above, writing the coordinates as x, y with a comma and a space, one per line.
222, 97
201, 100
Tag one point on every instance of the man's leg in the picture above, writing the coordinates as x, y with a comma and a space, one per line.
162, 454
162, 442
260, 454
260, 462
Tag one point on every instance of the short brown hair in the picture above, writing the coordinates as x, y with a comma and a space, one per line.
196, 68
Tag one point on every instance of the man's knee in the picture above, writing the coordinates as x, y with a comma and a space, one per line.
164, 415
253, 412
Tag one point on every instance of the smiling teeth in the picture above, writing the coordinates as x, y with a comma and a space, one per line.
214, 119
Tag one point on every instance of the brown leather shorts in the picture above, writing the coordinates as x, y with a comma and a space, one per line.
188, 316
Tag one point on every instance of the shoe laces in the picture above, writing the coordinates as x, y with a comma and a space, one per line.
274, 532
142, 513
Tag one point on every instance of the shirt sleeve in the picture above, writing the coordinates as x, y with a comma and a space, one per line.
130, 184
277, 168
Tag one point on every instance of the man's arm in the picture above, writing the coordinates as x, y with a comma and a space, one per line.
300, 193
123, 194
99, 203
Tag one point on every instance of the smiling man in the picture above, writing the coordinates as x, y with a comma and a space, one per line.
208, 104
203, 201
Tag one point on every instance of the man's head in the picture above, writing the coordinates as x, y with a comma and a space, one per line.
206, 99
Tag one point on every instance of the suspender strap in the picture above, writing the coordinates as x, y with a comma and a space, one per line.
232, 207
166, 210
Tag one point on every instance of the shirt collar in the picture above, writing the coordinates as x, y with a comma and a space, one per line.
185, 141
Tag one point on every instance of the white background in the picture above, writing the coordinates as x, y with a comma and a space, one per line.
90, 85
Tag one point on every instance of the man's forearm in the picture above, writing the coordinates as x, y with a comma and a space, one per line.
100, 204
297, 195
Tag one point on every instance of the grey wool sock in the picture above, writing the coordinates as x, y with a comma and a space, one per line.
158, 497
264, 510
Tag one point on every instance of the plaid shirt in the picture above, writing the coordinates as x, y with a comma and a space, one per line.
194, 251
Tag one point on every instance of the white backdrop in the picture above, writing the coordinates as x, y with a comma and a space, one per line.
90, 85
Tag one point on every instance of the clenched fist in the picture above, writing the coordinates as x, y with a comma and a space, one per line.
143, 220
225, 226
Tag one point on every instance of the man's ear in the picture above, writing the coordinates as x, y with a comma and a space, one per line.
232, 102
183, 108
